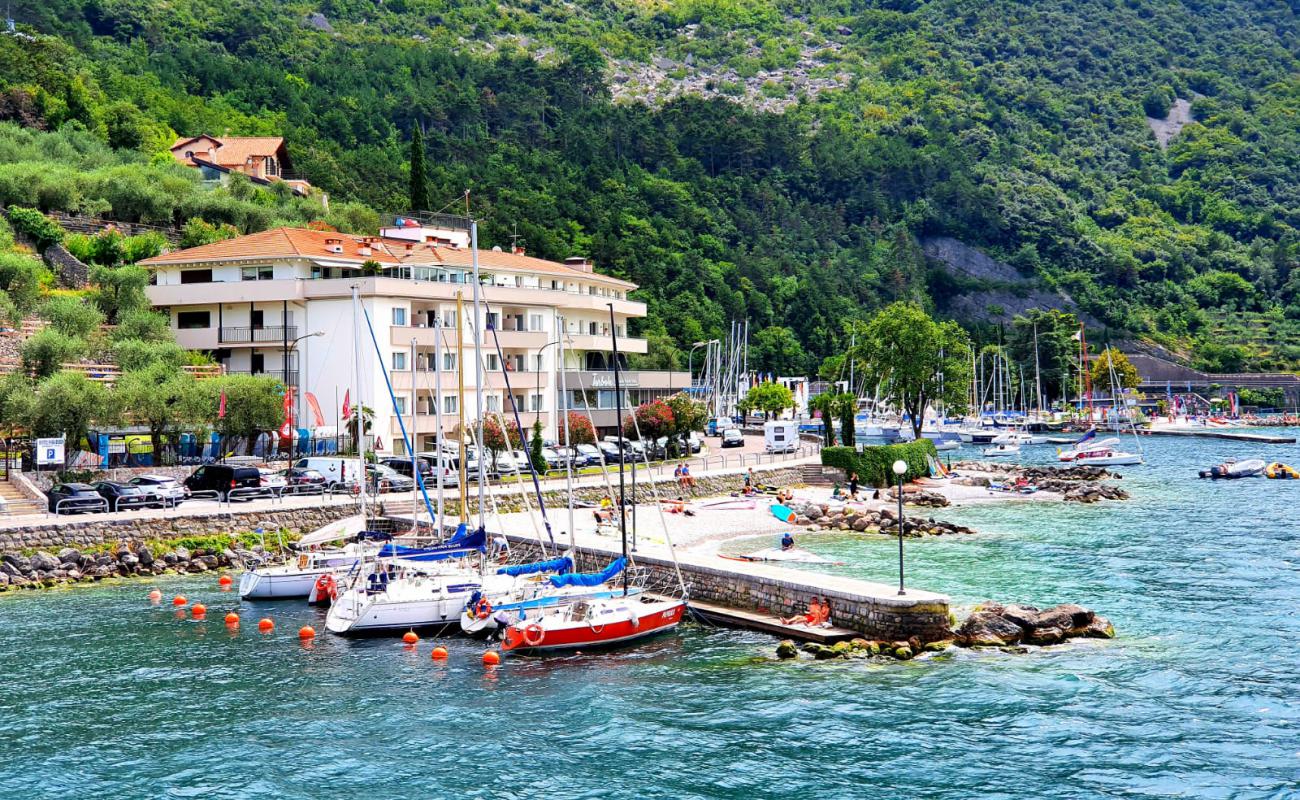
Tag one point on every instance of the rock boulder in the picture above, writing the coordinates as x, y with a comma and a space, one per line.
987, 629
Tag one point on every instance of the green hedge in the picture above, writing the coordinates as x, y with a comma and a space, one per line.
35, 225
875, 465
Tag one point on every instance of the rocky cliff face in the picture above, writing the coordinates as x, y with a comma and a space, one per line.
989, 290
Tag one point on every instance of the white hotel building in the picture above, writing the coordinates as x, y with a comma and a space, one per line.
280, 303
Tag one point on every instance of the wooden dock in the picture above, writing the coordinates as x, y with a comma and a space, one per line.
1236, 436
769, 623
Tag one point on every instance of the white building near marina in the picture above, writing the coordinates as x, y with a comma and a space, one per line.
279, 303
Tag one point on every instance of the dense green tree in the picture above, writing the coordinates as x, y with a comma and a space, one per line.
777, 350
921, 361
118, 291
67, 403
1109, 361
1053, 333
45, 352
254, 405
72, 316
768, 397
419, 191
163, 398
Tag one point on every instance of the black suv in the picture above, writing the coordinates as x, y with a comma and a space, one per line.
221, 478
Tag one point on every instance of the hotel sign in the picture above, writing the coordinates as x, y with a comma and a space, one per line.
605, 380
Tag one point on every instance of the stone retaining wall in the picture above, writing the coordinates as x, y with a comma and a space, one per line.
71, 273
91, 532
875, 616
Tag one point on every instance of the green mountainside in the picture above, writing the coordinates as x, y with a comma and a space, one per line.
784, 162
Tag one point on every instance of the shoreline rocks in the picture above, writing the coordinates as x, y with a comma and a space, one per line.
821, 517
990, 625
43, 570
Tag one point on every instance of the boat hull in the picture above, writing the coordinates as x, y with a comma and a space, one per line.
286, 585
358, 613
607, 630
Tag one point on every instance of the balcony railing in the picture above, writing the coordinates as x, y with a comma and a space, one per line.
269, 334
279, 375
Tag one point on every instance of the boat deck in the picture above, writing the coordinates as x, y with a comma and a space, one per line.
767, 623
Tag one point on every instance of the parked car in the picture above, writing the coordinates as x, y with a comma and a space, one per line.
696, 441
554, 458
429, 464
273, 482
591, 453
575, 457
732, 437
167, 491
222, 478
301, 479
403, 465
123, 496
614, 454
381, 478
75, 498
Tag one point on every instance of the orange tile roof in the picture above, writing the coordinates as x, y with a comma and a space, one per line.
277, 243
491, 259
235, 150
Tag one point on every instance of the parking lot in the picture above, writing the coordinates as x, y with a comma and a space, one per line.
712, 458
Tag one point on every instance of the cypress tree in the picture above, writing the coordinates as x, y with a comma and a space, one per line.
419, 183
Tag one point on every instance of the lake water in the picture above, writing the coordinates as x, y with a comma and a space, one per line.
105, 695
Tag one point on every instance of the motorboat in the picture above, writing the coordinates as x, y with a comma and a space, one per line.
1235, 469
1002, 451
1021, 438
1086, 446
594, 622
1279, 471
1107, 457
947, 444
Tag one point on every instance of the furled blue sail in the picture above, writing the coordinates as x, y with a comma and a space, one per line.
589, 578
560, 565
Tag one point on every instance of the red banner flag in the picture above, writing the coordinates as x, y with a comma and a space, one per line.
347, 404
221, 407
314, 407
286, 430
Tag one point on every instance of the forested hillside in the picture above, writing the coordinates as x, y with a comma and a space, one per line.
819, 142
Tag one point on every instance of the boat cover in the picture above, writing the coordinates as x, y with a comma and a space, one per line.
460, 543
589, 578
559, 565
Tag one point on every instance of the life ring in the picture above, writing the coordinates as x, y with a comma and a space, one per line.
534, 634
482, 609
325, 587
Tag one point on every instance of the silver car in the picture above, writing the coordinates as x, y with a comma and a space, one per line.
167, 491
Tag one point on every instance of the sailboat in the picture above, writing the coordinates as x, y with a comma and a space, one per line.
318, 556
597, 621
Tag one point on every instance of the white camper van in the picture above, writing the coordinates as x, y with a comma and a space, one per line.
781, 436
337, 471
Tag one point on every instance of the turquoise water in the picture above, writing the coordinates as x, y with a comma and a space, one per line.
108, 696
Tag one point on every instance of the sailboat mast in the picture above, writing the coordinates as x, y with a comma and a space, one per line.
1038, 378
563, 410
358, 405
415, 472
618, 410
478, 369
437, 410
463, 498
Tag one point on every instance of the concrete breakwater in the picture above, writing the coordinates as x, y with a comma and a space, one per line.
873, 610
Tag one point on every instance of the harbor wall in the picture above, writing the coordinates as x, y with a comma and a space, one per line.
89, 532
873, 610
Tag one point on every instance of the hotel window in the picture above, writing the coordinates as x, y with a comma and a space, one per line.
449, 318
449, 404
534, 402
399, 361
448, 362
399, 316
534, 322
263, 272
192, 320
491, 403
494, 320
196, 276
490, 363
401, 406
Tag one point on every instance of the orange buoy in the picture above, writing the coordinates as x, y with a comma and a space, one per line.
265, 625
179, 600
439, 653
232, 618
491, 658
306, 632
198, 609
155, 595
410, 638
225, 580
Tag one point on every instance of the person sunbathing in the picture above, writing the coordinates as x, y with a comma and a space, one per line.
810, 618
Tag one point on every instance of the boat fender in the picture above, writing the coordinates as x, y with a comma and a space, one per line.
325, 587
633, 618
534, 635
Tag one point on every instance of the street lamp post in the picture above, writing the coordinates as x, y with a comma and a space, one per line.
288, 348
690, 358
900, 469
537, 416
